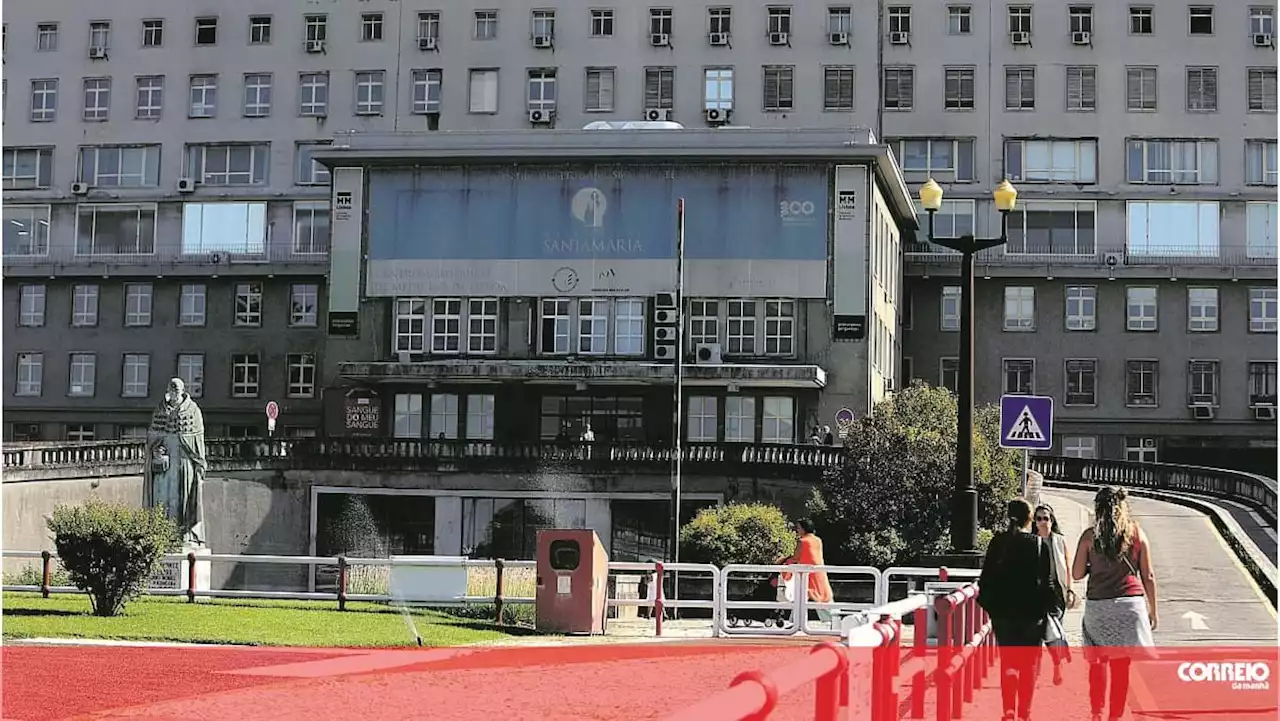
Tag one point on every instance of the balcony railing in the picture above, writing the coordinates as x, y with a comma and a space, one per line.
167, 255
918, 252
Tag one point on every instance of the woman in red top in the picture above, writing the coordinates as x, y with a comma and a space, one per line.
809, 553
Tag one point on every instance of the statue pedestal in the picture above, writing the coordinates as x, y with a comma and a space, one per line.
175, 574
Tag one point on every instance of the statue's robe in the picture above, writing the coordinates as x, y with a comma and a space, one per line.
179, 430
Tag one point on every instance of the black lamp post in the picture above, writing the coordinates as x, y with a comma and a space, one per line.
964, 509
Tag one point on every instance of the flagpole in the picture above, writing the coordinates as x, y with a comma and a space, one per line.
679, 387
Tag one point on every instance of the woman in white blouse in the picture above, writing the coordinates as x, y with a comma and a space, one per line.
1046, 524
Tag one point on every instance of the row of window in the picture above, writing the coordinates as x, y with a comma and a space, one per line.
208, 229
135, 381
1141, 309
1142, 380
248, 308
779, 90
1080, 20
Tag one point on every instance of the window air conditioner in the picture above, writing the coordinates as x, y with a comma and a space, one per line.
664, 300
839, 38
716, 115
542, 41
1113, 259
1262, 40
1264, 413
657, 114
664, 352
97, 52
79, 188
427, 43
659, 40
778, 38
1080, 38
1020, 38
664, 316
708, 354
540, 117
718, 38
186, 185
1202, 411
315, 46
899, 38
664, 334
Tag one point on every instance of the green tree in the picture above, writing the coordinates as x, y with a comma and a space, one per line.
737, 533
111, 550
891, 501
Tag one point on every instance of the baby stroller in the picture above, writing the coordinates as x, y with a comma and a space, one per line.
768, 589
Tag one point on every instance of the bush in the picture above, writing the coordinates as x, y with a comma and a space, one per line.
33, 575
737, 533
111, 550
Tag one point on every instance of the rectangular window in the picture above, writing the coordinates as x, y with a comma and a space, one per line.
1202, 382
899, 91
137, 305
1262, 21
311, 227
1082, 383
1140, 89
837, 88
310, 170
1080, 18
100, 34
1173, 228
1082, 88
115, 229
778, 420
601, 23
26, 230
1261, 240
191, 371
84, 375
47, 37
949, 373
206, 31
720, 21
370, 27
304, 301
628, 327
230, 164
1262, 310
779, 327
1200, 19
949, 313
1053, 227
313, 95
704, 420
660, 88
1262, 90
556, 325
1202, 90
593, 326
958, 88
152, 33
301, 373
1202, 310
959, 20
369, 92
446, 325
482, 325
779, 88
1141, 20
410, 325
600, 90
1080, 446
480, 417
245, 375
1262, 383
717, 93
1051, 161
1082, 308
742, 328
248, 305
740, 419
899, 19
120, 166
484, 91
27, 168
408, 416
150, 97
542, 90
257, 95
237, 229
259, 29
1019, 19
1020, 308
137, 375
97, 99
316, 28
944, 159
1141, 383
429, 26
44, 101
444, 416
191, 305
1020, 88
427, 85
486, 24
1141, 308
1019, 376
203, 96
29, 374
31, 306
661, 22
704, 321
780, 20
544, 23
1260, 162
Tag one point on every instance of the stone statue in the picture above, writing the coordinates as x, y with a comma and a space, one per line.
177, 462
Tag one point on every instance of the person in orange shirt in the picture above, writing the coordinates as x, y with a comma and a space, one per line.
809, 553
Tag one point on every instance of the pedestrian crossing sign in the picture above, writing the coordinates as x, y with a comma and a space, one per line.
1026, 422
1025, 428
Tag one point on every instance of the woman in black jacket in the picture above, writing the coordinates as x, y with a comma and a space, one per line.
1016, 590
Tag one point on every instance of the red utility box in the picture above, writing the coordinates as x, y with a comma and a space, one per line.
573, 582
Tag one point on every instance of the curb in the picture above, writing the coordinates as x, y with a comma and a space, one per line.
1258, 566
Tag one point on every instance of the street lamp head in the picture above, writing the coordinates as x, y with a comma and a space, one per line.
1006, 196
931, 195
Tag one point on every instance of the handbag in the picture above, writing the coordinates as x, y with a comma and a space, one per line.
1053, 633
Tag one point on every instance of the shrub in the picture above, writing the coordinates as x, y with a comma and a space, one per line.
111, 550
737, 533
33, 575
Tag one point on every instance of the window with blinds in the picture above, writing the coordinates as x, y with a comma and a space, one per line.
779, 83
1202, 90
899, 88
1082, 88
1262, 90
1019, 88
1140, 88
599, 90
958, 88
659, 87
837, 89
1172, 161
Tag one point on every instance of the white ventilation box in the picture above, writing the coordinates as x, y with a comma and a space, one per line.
708, 354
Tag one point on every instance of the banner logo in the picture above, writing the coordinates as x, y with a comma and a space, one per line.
589, 206
1241, 675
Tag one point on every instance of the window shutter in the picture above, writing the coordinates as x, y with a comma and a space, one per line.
1012, 88
771, 89
1134, 89
906, 87
786, 89
1088, 88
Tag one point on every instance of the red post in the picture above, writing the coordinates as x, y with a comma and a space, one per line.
943, 574
191, 577
919, 649
766, 685
342, 583
956, 688
972, 681
499, 566
945, 652
46, 572
830, 695
658, 596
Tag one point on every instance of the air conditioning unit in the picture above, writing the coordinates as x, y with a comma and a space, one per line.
1148, 443
1080, 38
663, 301
79, 188
97, 52
708, 354
665, 352
1262, 40
839, 38
1202, 411
315, 46
665, 334
659, 40
427, 43
1113, 259
1020, 38
718, 38
542, 41
899, 38
1264, 413
186, 185
779, 38
539, 117
657, 114
716, 115
664, 316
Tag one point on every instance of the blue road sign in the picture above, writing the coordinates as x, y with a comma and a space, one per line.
1026, 422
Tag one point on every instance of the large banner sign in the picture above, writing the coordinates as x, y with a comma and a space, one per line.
587, 230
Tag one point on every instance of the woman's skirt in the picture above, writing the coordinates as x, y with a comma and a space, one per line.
1117, 628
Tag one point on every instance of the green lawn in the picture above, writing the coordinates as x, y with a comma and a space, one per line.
255, 622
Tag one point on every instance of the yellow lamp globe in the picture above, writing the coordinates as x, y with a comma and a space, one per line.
1005, 195
931, 195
